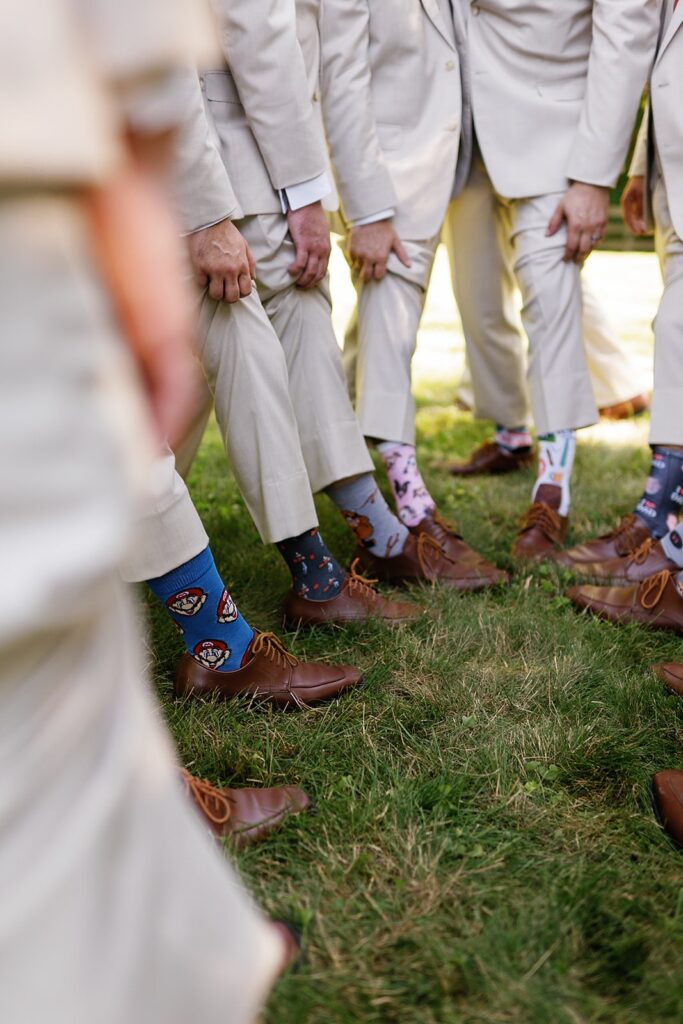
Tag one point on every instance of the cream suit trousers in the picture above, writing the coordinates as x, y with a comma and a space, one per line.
485, 288
279, 390
247, 379
116, 905
380, 342
560, 387
666, 423
331, 439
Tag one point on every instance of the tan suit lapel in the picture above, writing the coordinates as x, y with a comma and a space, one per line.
672, 28
433, 12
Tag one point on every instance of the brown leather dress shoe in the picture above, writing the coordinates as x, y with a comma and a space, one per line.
423, 559
667, 800
271, 674
542, 531
671, 674
655, 602
645, 561
624, 540
624, 410
450, 541
244, 815
490, 460
357, 601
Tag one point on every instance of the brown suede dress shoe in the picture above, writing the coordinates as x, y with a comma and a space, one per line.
667, 800
271, 674
244, 815
490, 460
357, 601
542, 531
624, 540
655, 602
671, 674
645, 561
624, 410
423, 559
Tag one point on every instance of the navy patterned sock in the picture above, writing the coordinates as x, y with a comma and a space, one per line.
316, 575
662, 501
196, 599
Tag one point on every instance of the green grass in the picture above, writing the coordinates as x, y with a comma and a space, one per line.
483, 848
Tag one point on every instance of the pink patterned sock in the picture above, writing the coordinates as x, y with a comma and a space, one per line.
413, 500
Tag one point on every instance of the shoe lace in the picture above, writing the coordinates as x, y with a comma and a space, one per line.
625, 532
545, 518
429, 549
652, 589
272, 647
639, 556
214, 804
358, 582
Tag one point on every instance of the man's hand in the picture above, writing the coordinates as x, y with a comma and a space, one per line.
633, 205
369, 247
584, 208
311, 236
222, 261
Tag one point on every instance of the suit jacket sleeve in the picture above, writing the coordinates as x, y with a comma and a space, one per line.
202, 190
260, 45
638, 166
363, 179
622, 52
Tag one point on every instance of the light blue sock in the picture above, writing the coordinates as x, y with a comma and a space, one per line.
195, 597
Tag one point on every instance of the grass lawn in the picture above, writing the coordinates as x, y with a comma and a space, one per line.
483, 848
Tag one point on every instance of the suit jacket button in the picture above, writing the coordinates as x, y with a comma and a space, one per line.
475, 9
450, 65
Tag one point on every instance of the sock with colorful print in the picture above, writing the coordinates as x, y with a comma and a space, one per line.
555, 463
413, 500
362, 504
316, 574
662, 501
672, 544
512, 440
195, 597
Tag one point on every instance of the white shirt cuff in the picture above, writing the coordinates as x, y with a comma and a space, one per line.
312, 191
373, 218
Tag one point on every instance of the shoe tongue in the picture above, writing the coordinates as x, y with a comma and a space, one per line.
548, 494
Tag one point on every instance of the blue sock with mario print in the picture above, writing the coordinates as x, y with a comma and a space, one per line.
197, 600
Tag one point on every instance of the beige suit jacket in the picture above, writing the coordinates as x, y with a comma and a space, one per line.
400, 61
663, 123
86, 67
556, 87
262, 101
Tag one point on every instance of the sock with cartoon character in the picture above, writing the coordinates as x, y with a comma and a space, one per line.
662, 501
195, 597
413, 500
316, 575
362, 504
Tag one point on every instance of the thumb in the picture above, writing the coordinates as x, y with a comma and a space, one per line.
556, 220
400, 251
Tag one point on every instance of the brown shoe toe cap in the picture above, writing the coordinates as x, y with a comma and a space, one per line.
667, 796
671, 674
